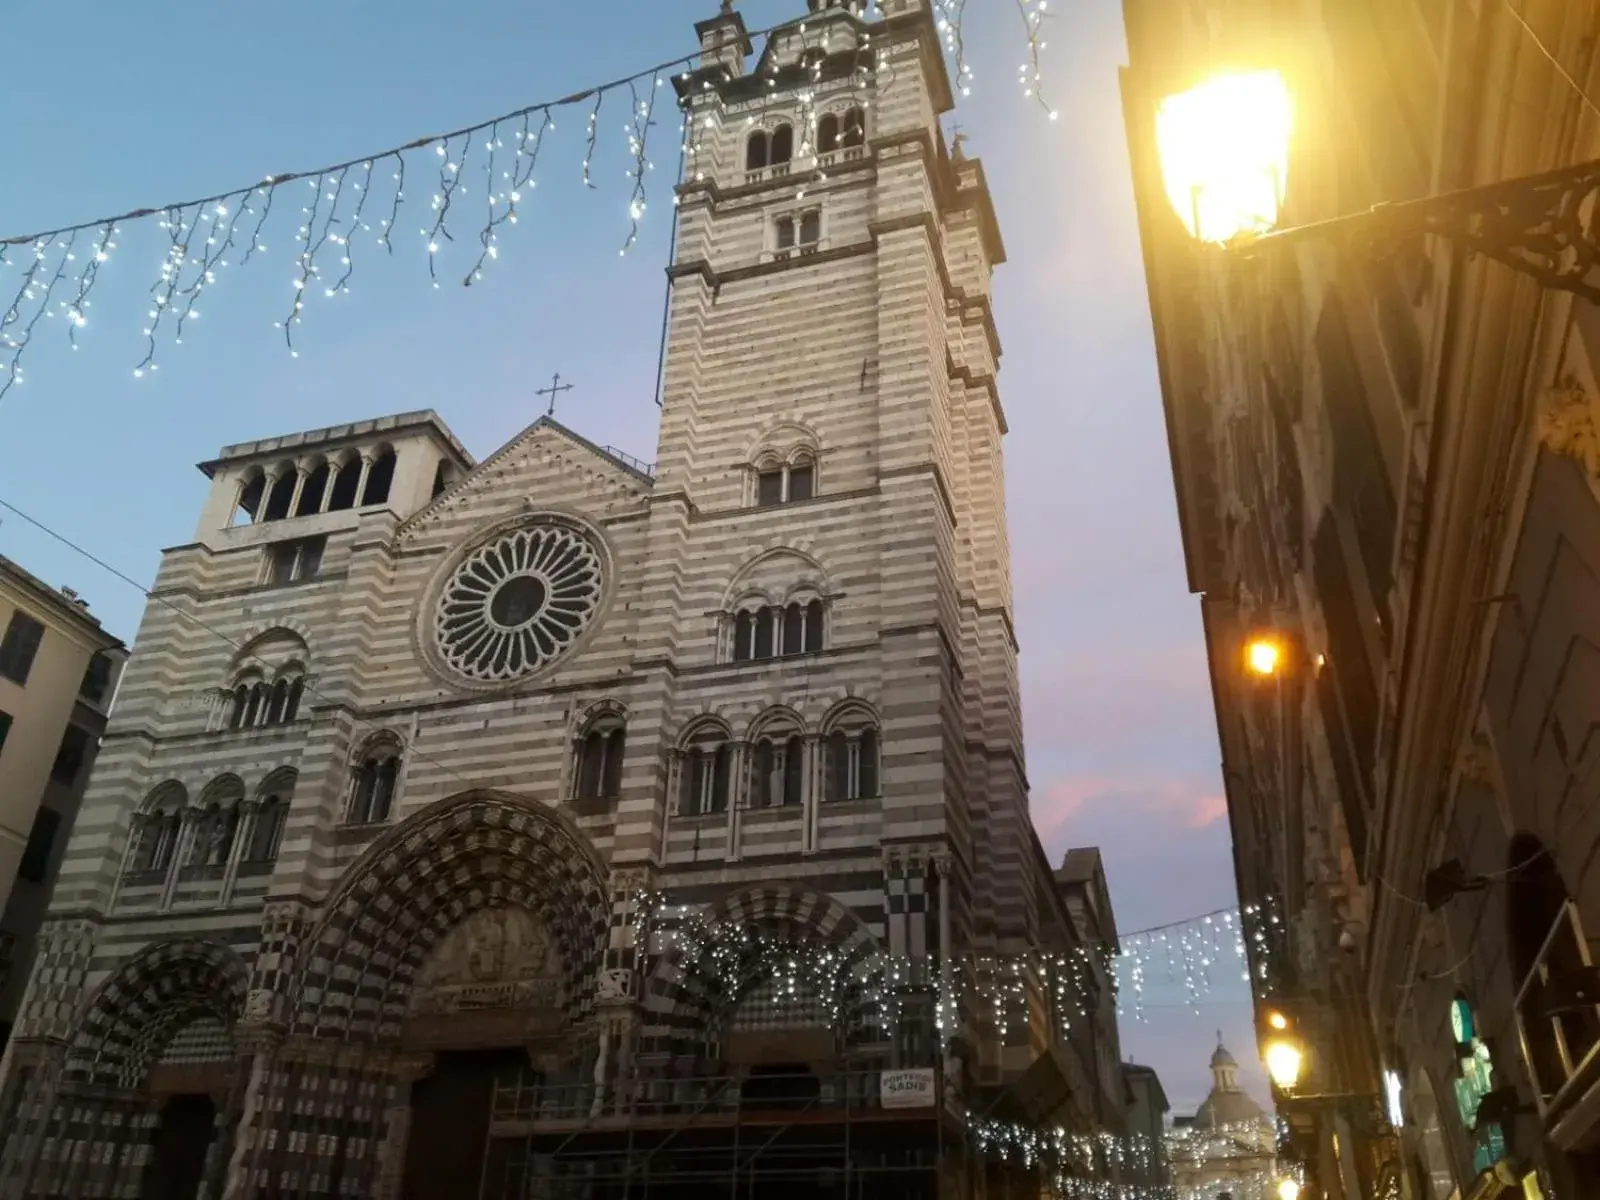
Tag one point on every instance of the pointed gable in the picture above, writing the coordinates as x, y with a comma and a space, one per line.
547, 465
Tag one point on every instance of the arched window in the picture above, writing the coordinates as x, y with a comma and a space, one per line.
380, 477
852, 762
311, 493
777, 770
704, 774
756, 151
802, 628
782, 146
785, 482
374, 781
291, 706
166, 829
156, 828
443, 477
599, 753
828, 134
277, 701
281, 493
218, 825
237, 718
224, 835
345, 482
268, 834
250, 499
813, 627
761, 632
755, 633
253, 705
853, 129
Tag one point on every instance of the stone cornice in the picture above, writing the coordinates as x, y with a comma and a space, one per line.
984, 381
938, 483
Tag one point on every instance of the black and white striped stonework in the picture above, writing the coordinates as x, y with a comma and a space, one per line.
273, 938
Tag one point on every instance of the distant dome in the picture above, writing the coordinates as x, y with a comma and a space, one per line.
1228, 1108
1228, 1103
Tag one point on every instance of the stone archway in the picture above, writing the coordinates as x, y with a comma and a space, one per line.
476, 927
478, 851
104, 1126
721, 957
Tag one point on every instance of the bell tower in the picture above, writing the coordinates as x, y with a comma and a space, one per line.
830, 394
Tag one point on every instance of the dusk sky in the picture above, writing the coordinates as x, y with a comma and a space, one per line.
129, 109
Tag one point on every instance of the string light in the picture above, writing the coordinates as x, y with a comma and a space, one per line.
1096, 1165
1194, 952
990, 990
203, 234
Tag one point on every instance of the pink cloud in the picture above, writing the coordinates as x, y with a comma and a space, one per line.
1159, 803
1209, 810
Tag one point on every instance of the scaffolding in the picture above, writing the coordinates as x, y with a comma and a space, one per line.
755, 1137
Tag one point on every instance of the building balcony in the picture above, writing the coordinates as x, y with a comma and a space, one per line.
1558, 1025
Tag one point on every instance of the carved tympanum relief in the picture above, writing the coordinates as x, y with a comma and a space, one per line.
499, 958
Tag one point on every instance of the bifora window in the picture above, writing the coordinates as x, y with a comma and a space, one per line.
518, 602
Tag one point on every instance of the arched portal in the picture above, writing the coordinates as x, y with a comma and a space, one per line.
460, 952
420, 881
774, 976
107, 1119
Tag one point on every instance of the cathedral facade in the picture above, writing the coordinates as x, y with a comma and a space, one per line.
461, 819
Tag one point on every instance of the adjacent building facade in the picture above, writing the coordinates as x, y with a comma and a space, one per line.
1384, 459
58, 672
561, 825
1147, 1125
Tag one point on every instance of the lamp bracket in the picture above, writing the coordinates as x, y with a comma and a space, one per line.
1545, 226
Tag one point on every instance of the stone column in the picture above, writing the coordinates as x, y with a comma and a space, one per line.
602, 1063
243, 835
738, 795
811, 792
187, 832
406, 1070
299, 488
327, 488
269, 485
361, 480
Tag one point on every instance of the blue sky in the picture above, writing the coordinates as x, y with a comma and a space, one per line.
128, 109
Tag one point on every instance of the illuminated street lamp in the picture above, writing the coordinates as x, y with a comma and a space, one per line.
1224, 147
1283, 1057
1288, 1188
1263, 655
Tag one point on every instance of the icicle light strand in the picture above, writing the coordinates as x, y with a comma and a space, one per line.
204, 234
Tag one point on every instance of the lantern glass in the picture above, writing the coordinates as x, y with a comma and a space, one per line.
1224, 149
1283, 1058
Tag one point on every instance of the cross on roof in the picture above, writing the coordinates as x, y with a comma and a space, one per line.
555, 389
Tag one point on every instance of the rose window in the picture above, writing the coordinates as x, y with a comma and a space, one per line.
518, 603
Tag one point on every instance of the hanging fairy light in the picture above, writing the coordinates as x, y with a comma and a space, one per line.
51, 276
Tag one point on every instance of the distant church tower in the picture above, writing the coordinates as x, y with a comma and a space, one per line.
607, 780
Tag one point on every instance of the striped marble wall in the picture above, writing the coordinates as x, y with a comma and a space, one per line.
878, 352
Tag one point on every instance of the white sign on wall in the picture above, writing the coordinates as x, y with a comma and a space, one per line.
907, 1089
